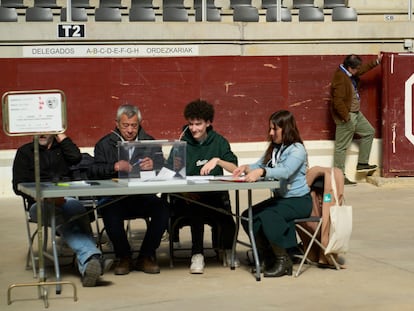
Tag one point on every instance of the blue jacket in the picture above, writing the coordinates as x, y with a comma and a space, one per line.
290, 169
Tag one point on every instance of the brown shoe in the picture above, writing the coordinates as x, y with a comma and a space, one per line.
147, 264
123, 266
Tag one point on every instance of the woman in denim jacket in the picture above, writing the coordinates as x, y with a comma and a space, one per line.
273, 219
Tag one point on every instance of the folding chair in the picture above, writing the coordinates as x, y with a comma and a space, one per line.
313, 239
309, 229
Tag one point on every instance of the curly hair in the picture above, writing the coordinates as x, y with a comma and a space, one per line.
199, 109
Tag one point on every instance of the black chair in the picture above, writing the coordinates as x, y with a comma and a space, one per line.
302, 3
143, 4
46, 4
271, 14
82, 4
210, 4
311, 14
173, 4
78, 15
39, 14
174, 14
267, 3
236, 3
111, 4
17, 4
213, 14
8, 14
245, 14
330, 4
341, 13
106, 14
141, 14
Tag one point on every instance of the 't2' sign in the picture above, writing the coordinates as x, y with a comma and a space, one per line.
71, 31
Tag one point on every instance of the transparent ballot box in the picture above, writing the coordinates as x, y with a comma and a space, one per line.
148, 162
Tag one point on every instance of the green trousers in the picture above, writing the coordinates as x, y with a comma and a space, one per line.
344, 134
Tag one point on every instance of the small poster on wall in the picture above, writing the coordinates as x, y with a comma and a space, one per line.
34, 112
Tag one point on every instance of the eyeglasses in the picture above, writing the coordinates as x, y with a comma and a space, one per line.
126, 125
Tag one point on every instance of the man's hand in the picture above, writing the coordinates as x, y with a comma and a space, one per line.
122, 166
146, 164
379, 58
60, 137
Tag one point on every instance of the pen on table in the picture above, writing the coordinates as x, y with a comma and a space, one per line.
62, 184
138, 162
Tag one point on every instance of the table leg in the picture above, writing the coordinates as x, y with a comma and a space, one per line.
251, 235
236, 233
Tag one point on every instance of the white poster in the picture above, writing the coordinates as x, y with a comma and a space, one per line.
35, 113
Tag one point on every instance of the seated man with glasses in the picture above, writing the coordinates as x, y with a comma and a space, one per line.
107, 166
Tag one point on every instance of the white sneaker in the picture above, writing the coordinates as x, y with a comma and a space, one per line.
197, 264
228, 259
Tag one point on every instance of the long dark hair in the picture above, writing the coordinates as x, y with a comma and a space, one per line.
290, 133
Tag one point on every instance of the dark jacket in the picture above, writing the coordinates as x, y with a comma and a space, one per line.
106, 154
342, 92
55, 163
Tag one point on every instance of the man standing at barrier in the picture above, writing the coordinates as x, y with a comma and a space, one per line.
149, 206
56, 155
345, 110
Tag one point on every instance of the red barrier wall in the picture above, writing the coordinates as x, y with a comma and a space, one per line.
397, 115
245, 91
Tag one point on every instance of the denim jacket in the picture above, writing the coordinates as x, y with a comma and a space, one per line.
290, 169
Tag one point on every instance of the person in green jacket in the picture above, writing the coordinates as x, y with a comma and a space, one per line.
208, 153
